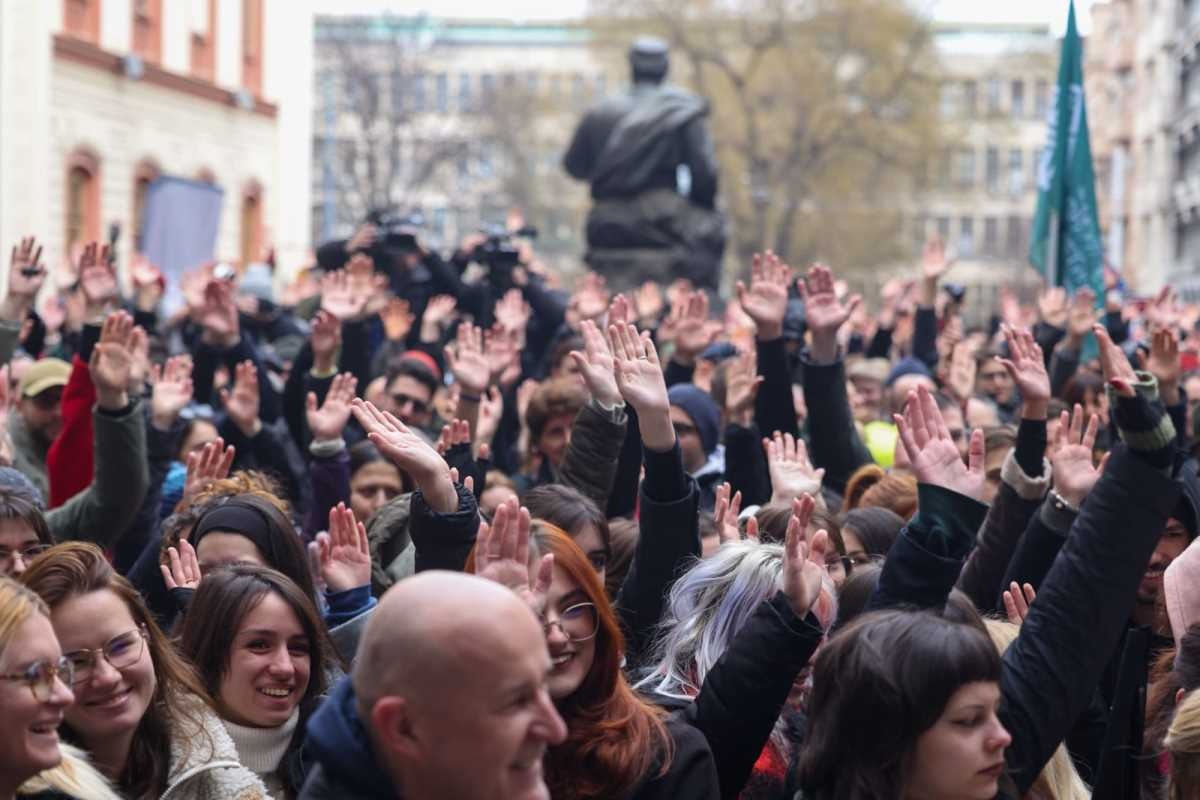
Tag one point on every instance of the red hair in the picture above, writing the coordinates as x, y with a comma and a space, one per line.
614, 737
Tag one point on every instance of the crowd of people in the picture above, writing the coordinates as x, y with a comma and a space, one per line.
422, 527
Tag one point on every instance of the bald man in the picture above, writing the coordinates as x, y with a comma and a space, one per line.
447, 700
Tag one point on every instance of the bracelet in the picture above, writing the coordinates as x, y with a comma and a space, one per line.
470, 398
1062, 502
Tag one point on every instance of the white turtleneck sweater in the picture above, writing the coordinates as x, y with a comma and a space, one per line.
261, 749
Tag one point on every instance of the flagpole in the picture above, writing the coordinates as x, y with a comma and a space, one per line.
1052, 254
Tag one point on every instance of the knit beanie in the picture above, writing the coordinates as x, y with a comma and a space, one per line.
703, 410
15, 481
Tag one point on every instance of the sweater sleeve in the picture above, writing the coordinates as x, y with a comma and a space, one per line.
833, 443
69, 460
774, 408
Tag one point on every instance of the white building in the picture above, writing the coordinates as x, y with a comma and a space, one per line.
98, 97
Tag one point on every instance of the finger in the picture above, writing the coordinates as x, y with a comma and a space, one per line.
802, 509
1076, 425
168, 579
735, 506
521, 545
906, 437
818, 548
1030, 594
1093, 430
915, 416
545, 575
975, 452
933, 417
1010, 608
1060, 435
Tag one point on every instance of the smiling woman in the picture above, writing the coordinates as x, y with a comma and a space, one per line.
263, 652
139, 710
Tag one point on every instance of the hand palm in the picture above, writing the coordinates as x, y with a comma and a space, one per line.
471, 369
1032, 378
789, 475
939, 463
1074, 472
344, 565
170, 397
329, 420
243, 404
99, 284
765, 302
113, 368
823, 312
342, 302
693, 335
641, 383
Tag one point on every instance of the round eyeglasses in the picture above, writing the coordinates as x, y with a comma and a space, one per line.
120, 652
40, 677
578, 622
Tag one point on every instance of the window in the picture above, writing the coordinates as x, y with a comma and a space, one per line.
82, 223
966, 168
144, 175
441, 90
1041, 98
969, 98
487, 89
1014, 240
1017, 108
993, 95
203, 20
966, 236
948, 100
147, 29
464, 92
251, 244
992, 169
1035, 158
252, 45
417, 100
946, 171
1016, 171
991, 236
578, 89
943, 228
81, 19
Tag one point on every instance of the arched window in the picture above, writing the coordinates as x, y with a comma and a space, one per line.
203, 23
147, 29
82, 201
143, 175
81, 19
251, 249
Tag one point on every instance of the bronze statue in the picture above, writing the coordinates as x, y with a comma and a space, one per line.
630, 148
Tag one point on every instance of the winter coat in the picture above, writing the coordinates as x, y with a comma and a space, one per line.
692, 773
834, 443
204, 763
345, 767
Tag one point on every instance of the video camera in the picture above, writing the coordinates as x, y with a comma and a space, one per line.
499, 253
397, 232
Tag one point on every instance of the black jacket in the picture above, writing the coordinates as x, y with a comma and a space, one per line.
833, 441
692, 773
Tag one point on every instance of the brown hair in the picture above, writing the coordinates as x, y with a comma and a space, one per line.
871, 486
773, 522
623, 535
568, 508
614, 737
17, 506
217, 611
553, 398
78, 568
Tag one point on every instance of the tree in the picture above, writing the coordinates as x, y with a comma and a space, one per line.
823, 111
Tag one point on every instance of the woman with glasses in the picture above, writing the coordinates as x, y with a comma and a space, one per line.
35, 691
24, 534
262, 652
140, 712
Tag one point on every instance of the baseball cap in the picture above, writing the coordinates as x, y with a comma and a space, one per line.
44, 374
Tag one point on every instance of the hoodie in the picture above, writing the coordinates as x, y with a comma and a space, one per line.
345, 765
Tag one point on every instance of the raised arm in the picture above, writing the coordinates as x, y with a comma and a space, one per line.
590, 462
765, 302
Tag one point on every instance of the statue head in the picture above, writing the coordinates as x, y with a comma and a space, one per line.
648, 59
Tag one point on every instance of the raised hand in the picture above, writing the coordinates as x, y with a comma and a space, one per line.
823, 312
209, 463
26, 274
1027, 366
112, 361
491, 409
467, 361
182, 570
1114, 365
343, 554
1164, 312
437, 314
410, 453
341, 298
934, 263
327, 422
219, 314
618, 310
242, 404
397, 319
512, 312
693, 330
590, 300
725, 514
741, 387
502, 555
792, 474
960, 380
139, 351
367, 285
766, 299
803, 562
1074, 468
457, 432
502, 349
641, 382
97, 279
148, 282
1017, 600
1080, 317
596, 366
648, 302
1052, 306
171, 390
931, 451
325, 338
1163, 364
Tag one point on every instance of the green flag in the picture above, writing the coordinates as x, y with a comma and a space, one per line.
1065, 245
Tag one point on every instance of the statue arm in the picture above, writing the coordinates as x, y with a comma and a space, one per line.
701, 159
577, 161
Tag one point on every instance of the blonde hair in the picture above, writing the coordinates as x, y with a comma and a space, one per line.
1058, 779
73, 775
1183, 743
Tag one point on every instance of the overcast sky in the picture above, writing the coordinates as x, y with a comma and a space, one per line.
1052, 11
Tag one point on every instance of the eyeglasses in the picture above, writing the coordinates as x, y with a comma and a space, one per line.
120, 652
418, 406
27, 553
40, 677
578, 622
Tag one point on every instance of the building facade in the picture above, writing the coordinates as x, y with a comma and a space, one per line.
481, 113
100, 97
981, 195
